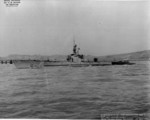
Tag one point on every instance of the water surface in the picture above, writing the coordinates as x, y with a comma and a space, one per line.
74, 92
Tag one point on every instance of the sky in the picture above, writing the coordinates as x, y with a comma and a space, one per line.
99, 27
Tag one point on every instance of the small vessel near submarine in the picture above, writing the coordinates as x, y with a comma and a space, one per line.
122, 62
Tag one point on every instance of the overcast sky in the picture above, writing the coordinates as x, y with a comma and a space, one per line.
48, 27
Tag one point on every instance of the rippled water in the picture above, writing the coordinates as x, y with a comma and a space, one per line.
74, 92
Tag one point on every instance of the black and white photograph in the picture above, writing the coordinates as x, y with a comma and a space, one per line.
75, 59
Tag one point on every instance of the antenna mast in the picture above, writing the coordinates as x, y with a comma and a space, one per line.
74, 47
73, 41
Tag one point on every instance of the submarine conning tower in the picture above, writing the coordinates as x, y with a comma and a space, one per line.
75, 56
75, 49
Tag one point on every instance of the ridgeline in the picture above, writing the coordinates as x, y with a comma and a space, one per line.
134, 56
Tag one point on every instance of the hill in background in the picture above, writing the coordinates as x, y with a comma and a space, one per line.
139, 56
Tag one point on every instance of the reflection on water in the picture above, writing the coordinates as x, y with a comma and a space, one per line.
80, 92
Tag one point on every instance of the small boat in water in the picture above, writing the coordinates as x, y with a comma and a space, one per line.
122, 62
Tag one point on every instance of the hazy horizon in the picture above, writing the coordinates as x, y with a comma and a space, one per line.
48, 27
70, 52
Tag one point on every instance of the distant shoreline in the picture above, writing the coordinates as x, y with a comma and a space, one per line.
134, 56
